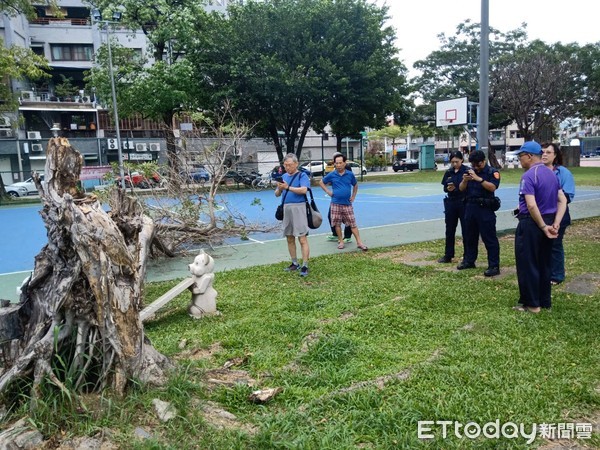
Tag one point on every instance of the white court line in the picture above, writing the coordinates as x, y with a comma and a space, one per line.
256, 240
16, 273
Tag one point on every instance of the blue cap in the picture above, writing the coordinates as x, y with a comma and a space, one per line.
530, 147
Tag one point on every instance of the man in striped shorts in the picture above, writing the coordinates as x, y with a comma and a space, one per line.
343, 192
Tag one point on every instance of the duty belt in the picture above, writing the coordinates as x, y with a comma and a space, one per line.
478, 199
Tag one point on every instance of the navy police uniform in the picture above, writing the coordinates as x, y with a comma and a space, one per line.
454, 208
480, 219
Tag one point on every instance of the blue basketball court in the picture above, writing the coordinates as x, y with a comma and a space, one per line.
377, 204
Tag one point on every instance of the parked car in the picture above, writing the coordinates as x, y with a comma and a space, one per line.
278, 172
354, 166
314, 167
23, 188
405, 165
511, 157
197, 174
140, 181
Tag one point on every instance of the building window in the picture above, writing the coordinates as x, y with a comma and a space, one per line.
38, 49
72, 52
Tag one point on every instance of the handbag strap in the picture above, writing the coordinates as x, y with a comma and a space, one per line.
287, 190
309, 190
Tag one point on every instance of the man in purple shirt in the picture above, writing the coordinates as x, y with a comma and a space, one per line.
542, 205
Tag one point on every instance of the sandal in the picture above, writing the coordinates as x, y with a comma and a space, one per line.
341, 246
523, 308
362, 247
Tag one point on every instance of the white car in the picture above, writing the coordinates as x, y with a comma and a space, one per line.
356, 168
511, 157
23, 188
314, 167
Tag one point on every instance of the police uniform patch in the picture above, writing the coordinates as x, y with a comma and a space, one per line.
497, 175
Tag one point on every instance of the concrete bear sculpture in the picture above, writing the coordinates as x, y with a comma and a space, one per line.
204, 296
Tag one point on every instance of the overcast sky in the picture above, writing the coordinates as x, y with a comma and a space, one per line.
418, 22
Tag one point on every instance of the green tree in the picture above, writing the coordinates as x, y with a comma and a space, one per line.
157, 87
296, 64
453, 71
369, 82
588, 59
539, 86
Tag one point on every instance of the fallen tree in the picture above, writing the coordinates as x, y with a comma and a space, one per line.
79, 309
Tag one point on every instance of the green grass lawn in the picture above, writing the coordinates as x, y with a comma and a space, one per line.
365, 348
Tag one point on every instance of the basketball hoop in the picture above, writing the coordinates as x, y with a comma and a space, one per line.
445, 123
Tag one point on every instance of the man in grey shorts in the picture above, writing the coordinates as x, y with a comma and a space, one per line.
294, 185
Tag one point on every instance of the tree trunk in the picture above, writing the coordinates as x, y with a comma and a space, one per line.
492, 160
81, 304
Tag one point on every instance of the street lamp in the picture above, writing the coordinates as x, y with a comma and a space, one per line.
116, 17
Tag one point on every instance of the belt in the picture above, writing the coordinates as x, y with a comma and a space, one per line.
477, 199
544, 216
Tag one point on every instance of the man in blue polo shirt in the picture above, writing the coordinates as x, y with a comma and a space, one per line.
343, 192
542, 205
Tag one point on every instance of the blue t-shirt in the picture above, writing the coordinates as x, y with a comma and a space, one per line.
341, 185
300, 180
540, 182
566, 181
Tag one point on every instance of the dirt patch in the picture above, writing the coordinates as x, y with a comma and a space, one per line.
409, 258
572, 444
223, 419
468, 327
380, 382
584, 284
228, 378
585, 229
200, 353
344, 316
308, 342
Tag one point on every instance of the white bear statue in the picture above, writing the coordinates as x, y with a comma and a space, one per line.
204, 296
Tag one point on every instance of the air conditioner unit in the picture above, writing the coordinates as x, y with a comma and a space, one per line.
113, 144
34, 135
28, 95
37, 148
130, 145
6, 133
141, 147
154, 147
4, 122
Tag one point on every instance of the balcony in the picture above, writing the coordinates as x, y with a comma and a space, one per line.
60, 21
29, 97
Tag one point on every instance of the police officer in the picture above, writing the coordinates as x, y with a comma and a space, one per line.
479, 183
454, 205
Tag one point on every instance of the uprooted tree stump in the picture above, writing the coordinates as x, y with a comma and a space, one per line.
81, 304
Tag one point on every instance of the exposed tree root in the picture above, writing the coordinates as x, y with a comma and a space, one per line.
80, 308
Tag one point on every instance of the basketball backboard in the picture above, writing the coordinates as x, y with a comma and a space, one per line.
451, 112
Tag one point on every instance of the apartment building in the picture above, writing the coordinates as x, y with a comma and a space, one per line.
61, 104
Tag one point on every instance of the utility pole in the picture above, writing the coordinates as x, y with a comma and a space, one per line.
484, 67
